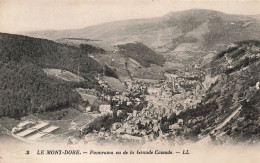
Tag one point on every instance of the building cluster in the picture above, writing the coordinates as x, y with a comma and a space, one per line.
164, 99
105, 109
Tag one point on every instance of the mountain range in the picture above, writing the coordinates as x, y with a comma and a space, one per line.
190, 30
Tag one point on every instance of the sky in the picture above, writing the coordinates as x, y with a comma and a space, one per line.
18, 16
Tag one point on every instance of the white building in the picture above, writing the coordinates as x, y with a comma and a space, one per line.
105, 109
88, 109
257, 85
134, 113
154, 91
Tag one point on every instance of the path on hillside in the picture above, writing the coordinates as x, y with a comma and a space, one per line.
228, 118
220, 126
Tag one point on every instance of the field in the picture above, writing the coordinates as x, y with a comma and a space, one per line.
64, 75
114, 84
87, 97
153, 72
146, 80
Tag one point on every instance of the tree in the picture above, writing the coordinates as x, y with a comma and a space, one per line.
173, 118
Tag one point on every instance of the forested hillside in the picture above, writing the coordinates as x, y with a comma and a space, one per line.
91, 49
45, 53
25, 88
141, 53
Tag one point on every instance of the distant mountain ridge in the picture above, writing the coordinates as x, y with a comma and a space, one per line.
197, 28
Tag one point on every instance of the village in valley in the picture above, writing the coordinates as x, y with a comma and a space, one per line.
142, 109
142, 112
131, 111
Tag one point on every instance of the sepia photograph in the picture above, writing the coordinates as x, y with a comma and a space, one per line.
129, 81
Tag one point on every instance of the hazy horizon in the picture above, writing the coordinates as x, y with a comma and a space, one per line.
34, 15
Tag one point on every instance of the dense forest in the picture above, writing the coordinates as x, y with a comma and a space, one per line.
25, 88
91, 49
142, 54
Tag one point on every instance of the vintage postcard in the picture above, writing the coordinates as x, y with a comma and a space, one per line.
129, 81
